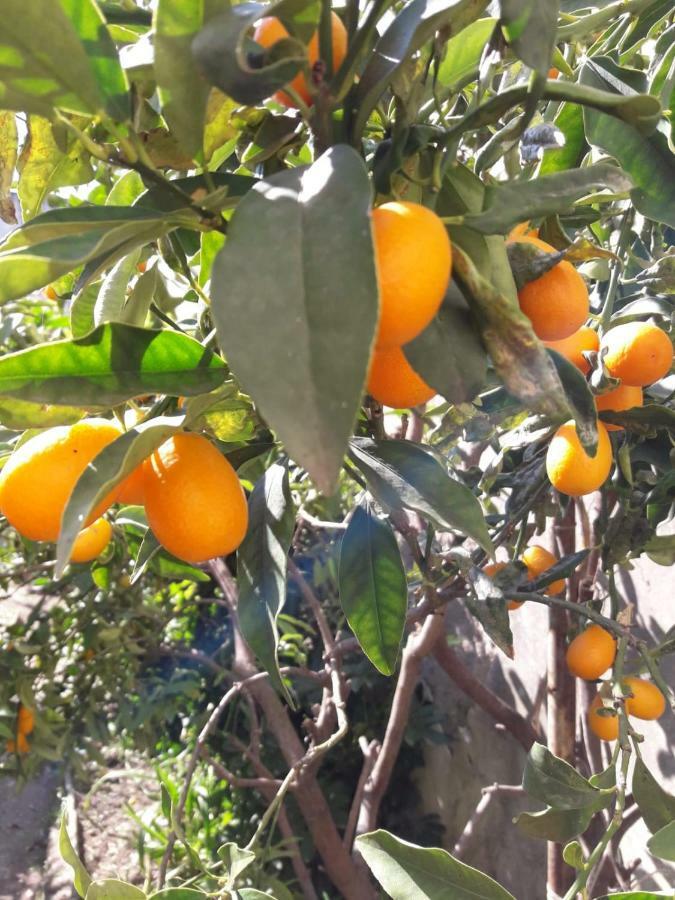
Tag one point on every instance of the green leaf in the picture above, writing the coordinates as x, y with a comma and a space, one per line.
488, 604
635, 895
236, 860
294, 300
413, 26
44, 166
81, 879
562, 569
647, 159
403, 474
662, 844
373, 588
530, 28
112, 295
463, 53
645, 420
558, 825
580, 399
224, 53
262, 562
449, 354
125, 190
656, 805
76, 68
555, 782
110, 365
8, 155
105, 471
20, 414
58, 241
570, 121
178, 894
518, 355
661, 549
573, 855
111, 889
82, 310
510, 202
409, 872
219, 191
182, 91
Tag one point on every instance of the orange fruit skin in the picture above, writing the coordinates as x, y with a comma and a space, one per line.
604, 727
491, 570
638, 353
39, 477
557, 303
25, 720
194, 502
553, 72
413, 256
520, 231
270, 30
591, 653
131, 491
626, 396
20, 746
91, 541
573, 346
569, 468
392, 381
647, 701
538, 560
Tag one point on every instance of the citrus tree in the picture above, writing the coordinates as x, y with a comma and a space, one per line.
244, 230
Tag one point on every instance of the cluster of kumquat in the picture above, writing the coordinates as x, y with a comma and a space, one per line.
537, 560
589, 656
193, 500
25, 723
635, 353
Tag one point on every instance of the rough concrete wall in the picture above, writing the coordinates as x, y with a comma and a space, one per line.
479, 754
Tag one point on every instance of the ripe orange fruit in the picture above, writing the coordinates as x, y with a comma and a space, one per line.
131, 491
604, 727
637, 352
570, 470
647, 701
39, 477
538, 560
21, 745
572, 348
557, 303
518, 232
553, 72
591, 653
393, 382
91, 541
270, 30
491, 570
25, 720
50, 293
626, 396
193, 499
142, 266
413, 257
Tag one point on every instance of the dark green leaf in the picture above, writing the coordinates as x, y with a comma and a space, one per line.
463, 54
403, 474
570, 121
224, 54
555, 782
449, 354
662, 844
111, 889
222, 186
81, 878
558, 825
409, 872
8, 155
643, 419
262, 563
580, 399
562, 569
488, 604
656, 805
412, 27
295, 304
110, 365
530, 28
510, 202
647, 159
182, 91
105, 471
373, 588
58, 241
518, 356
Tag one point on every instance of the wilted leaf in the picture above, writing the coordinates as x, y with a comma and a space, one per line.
488, 604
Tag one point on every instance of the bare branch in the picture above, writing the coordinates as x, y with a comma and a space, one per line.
370, 753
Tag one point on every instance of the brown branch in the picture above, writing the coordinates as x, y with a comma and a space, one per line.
490, 703
481, 808
417, 647
370, 753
